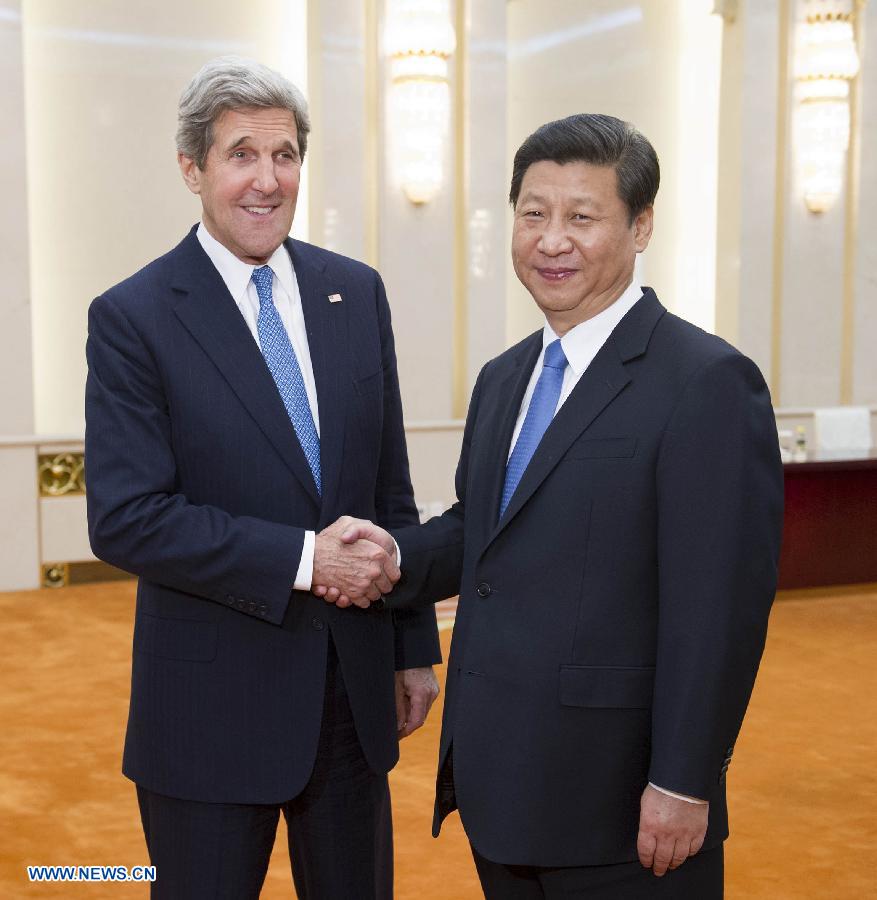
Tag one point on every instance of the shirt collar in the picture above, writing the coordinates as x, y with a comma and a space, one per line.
581, 344
237, 274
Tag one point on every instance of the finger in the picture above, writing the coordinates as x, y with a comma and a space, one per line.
680, 854
352, 534
365, 601
320, 590
401, 710
391, 570
663, 855
332, 594
383, 584
645, 848
344, 601
696, 844
417, 711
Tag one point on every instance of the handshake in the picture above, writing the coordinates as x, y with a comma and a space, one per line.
354, 563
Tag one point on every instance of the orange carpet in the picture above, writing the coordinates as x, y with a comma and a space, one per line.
803, 788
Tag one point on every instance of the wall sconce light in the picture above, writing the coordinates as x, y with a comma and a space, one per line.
827, 61
419, 41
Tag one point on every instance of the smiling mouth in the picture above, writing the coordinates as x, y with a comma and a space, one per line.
556, 274
260, 210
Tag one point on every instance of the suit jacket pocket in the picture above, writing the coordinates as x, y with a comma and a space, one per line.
602, 448
607, 687
175, 638
369, 384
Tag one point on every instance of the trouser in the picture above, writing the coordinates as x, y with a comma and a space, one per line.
339, 827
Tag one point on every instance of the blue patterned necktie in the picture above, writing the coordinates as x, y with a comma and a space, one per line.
280, 357
538, 418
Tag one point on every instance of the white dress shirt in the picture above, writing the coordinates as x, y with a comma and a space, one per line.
580, 345
237, 276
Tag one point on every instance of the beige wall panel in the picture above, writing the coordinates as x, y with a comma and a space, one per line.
19, 523
486, 149
812, 289
338, 101
864, 362
434, 451
16, 400
747, 180
64, 529
416, 259
102, 83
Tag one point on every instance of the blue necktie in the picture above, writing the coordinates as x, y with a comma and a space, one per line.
538, 418
280, 357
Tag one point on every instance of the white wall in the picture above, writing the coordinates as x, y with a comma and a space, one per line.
795, 289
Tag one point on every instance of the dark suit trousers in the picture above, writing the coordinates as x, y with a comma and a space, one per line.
700, 877
340, 829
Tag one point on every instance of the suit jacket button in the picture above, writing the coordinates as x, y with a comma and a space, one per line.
483, 589
317, 624
241, 603
229, 599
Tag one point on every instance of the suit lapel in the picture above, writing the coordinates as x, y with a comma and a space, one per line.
604, 379
501, 416
327, 329
209, 313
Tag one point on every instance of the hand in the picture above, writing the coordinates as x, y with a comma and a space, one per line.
416, 690
670, 830
350, 531
358, 570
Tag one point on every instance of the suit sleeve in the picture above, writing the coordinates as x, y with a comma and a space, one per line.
416, 632
432, 553
137, 518
720, 499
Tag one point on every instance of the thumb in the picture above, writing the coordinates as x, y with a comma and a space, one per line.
352, 534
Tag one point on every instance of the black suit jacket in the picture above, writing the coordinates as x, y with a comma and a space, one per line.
198, 484
611, 623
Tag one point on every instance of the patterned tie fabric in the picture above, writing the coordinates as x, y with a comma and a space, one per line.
284, 368
538, 418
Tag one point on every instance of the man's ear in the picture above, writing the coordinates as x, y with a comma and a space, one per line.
190, 171
642, 228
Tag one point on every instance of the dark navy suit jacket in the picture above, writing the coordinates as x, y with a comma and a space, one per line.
198, 485
611, 623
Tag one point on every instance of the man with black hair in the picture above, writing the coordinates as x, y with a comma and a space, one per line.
614, 546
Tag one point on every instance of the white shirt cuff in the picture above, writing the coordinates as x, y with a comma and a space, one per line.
398, 554
684, 797
304, 578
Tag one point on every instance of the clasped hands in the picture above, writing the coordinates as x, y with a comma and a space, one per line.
354, 563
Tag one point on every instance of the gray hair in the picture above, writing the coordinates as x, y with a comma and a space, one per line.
231, 82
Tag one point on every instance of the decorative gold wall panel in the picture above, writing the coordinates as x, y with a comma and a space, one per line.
62, 574
61, 474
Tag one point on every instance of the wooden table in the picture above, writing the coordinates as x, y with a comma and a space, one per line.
830, 523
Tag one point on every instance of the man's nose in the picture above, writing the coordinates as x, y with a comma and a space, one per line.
554, 239
265, 180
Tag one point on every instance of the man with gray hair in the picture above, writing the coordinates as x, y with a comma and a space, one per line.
242, 394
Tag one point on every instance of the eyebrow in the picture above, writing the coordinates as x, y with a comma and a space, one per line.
286, 145
574, 199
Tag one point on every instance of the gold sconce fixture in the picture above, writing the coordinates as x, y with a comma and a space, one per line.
419, 41
826, 63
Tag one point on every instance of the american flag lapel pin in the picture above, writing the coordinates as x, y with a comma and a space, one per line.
334, 298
